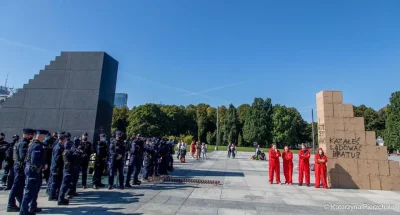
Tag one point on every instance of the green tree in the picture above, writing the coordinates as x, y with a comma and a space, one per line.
202, 121
242, 113
222, 115
258, 126
240, 140
211, 137
284, 125
392, 133
119, 119
176, 123
147, 120
190, 120
231, 128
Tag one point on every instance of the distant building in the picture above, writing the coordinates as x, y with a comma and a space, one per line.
121, 100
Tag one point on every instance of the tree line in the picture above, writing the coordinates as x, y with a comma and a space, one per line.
261, 122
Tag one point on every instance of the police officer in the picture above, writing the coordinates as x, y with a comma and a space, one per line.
135, 161
48, 148
116, 160
3, 148
147, 160
155, 156
17, 189
56, 168
86, 147
164, 157
76, 164
69, 154
35, 161
101, 149
8, 177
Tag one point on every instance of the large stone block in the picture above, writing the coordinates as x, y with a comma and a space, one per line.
85, 61
42, 98
17, 100
85, 80
80, 99
49, 119
12, 117
60, 63
79, 119
50, 79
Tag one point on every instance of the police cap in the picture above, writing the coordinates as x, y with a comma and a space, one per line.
102, 135
16, 136
67, 134
118, 133
41, 131
62, 136
85, 134
28, 131
2, 135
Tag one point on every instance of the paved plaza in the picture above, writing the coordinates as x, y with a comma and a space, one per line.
244, 189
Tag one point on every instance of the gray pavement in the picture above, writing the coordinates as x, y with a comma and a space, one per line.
244, 190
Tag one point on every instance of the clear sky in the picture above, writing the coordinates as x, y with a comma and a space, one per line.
216, 52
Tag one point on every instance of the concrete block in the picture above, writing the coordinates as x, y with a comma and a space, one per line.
85, 60
80, 99
42, 98
85, 80
51, 79
16, 101
60, 63
79, 119
12, 117
49, 119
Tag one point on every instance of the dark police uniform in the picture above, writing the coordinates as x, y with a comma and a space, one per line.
56, 170
48, 149
8, 177
35, 160
101, 150
76, 164
147, 161
116, 162
135, 162
155, 155
86, 148
17, 189
3, 148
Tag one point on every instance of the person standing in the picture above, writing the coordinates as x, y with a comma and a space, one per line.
204, 151
192, 149
229, 150
183, 153
135, 162
180, 143
3, 148
147, 160
56, 168
76, 165
35, 161
48, 149
100, 163
117, 153
304, 165
86, 148
274, 166
287, 157
17, 189
320, 169
8, 177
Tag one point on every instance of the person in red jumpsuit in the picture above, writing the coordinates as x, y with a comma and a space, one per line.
287, 157
274, 155
304, 165
320, 168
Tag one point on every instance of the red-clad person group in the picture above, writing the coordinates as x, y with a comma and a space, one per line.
304, 166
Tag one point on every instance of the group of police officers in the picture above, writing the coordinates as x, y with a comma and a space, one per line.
59, 160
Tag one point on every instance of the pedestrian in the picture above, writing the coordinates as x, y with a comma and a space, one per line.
233, 150
287, 158
183, 153
229, 150
204, 151
3, 149
35, 161
198, 150
304, 165
17, 189
192, 149
274, 166
8, 177
320, 169
116, 161
179, 148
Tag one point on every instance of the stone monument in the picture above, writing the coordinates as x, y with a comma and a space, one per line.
354, 159
74, 93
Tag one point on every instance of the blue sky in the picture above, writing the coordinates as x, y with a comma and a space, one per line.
216, 52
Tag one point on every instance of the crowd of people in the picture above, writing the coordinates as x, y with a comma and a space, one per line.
304, 166
59, 159
197, 150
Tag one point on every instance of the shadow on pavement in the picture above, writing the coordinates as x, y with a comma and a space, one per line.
85, 210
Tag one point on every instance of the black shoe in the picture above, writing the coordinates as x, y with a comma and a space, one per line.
95, 187
13, 209
136, 183
84, 187
36, 210
101, 185
110, 187
128, 185
50, 199
7, 188
75, 194
308, 185
121, 187
63, 202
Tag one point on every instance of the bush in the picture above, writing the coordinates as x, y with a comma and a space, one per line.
188, 139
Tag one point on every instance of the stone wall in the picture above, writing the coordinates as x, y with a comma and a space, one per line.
74, 93
354, 159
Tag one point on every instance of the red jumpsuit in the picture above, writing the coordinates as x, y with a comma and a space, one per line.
287, 158
320, 171
274, 165
304, 166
